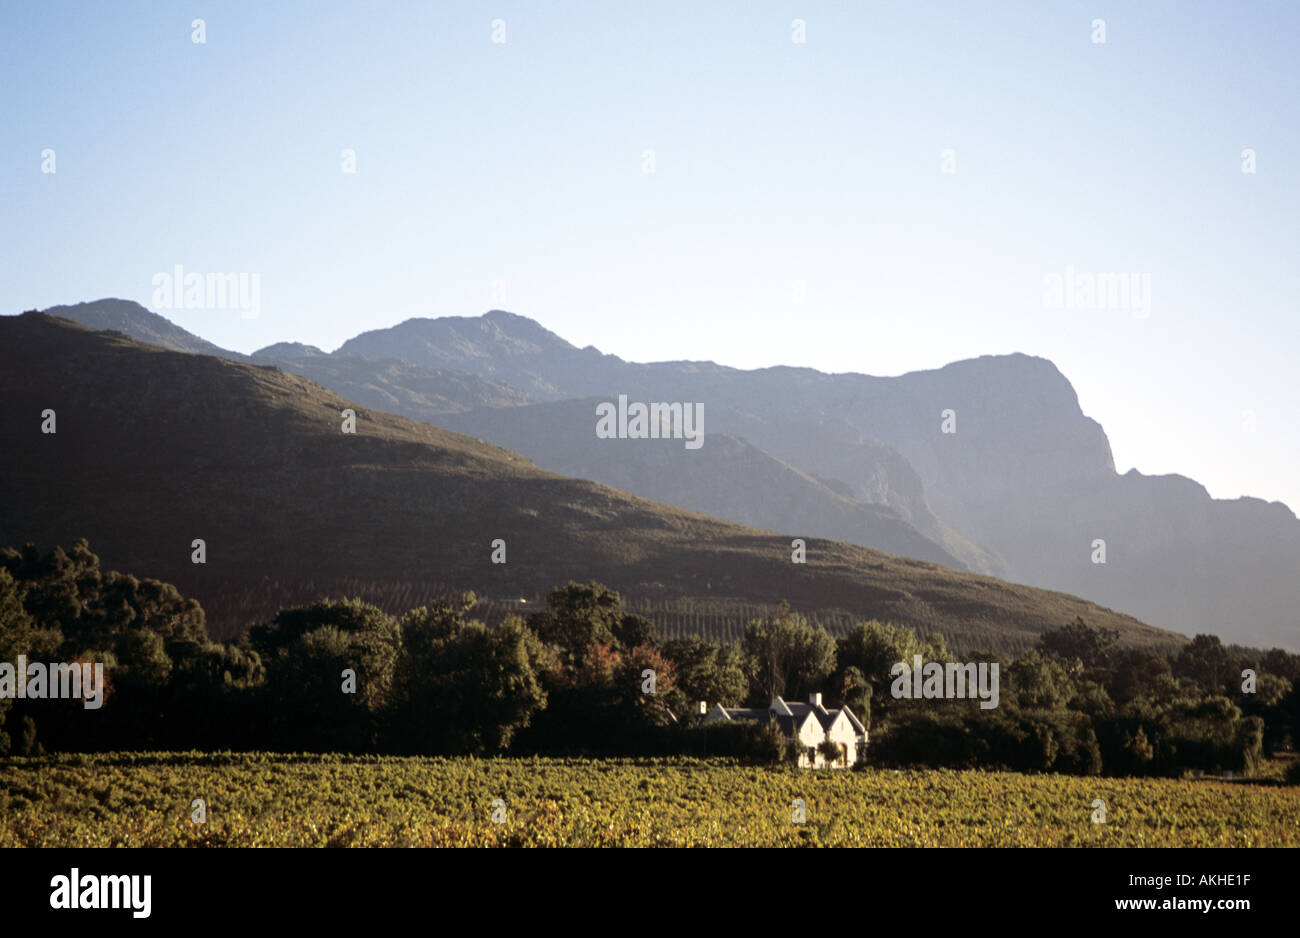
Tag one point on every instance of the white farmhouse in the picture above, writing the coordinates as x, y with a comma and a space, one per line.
809, 723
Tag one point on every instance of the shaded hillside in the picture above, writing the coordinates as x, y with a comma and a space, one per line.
396, 387
884, 507
718, 479
1022, 488
156, 448
1173, 553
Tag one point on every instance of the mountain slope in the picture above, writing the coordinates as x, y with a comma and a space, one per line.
410, 390
390, 385
132, 319
716, 479
876, 514
1023, 486
155, 448
1020, 490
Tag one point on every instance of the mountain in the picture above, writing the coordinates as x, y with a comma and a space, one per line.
1022, 488
502, 346
279, 352
560, 437
132, 319
155, 448
392, 385
880, 515
410, 390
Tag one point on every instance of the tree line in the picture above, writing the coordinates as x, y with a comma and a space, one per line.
588, 677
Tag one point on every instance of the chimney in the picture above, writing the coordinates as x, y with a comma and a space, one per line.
815, 699
703, 708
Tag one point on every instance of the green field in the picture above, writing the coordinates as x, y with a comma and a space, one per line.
277, 800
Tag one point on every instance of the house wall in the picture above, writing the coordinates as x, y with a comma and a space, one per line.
810, 734
842, 732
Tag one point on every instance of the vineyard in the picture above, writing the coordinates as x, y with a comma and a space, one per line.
279, 800
724, 620
234, 605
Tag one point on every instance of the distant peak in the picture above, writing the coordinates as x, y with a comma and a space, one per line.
106, 306
430, 341
288, 351
523, 327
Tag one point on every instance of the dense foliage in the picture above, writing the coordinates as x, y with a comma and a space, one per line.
588, 677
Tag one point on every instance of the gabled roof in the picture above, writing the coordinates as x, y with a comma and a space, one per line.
745, 713
789, 725
791, 716
857, 724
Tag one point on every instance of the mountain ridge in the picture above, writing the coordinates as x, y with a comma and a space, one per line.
253, 460
1022, 489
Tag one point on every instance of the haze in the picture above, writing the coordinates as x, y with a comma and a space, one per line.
798, 212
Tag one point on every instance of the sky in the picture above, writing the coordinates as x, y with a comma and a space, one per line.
670, 180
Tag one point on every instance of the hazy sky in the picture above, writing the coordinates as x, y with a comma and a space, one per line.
798, 213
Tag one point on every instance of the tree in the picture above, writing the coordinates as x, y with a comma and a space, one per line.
772, 744
1134, 672
15, 623
306, 651
1038, 682
1205, 661
787, 655
1249, 745
1139, 748
15, 633
633, 630
829, 750
646, 709
80, 613
855, 693
581, 617
462, 687
1091, 647
66, 591
871, 649
594, 675
1282, 663
705, 671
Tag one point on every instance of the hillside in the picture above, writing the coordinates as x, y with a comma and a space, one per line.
559, 436
134, 320
156, 448
1021, 489
393, 386
885, 509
